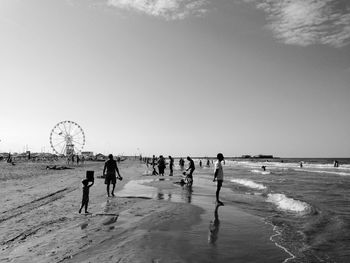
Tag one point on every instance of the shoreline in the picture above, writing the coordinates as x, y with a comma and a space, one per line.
171, 224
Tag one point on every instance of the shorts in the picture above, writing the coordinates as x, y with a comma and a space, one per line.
110, 179
161, 169
219, 183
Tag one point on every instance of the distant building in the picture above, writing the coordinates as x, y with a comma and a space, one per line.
264, 156
87, 154
100, 157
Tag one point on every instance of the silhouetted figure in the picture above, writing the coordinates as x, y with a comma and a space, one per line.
301, 164
154, 162
263, 167
214, 227
181, 163
9, 158
110, 176
191, 168
78, 159
336, 163
161, 165
171, 165
154, 172
208, 163
218, 176
200, 163
57, 167
85, 200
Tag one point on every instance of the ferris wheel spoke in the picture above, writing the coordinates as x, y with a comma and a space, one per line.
59, 134
61, 130
70, 127
77, 142
56, 138
79, 139
73, 129
64, 126
58, 143
75, 134
63, 149
76, 149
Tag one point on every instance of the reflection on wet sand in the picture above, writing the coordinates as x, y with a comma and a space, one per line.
214, 227
186, 193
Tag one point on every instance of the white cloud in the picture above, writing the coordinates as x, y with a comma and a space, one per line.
167, 9
307, 22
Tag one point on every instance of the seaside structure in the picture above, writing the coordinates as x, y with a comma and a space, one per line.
67, 138
263, 156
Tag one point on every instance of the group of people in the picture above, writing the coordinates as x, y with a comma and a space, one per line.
218, 170
111, 170
75, 158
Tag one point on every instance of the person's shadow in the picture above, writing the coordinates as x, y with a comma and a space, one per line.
214, 227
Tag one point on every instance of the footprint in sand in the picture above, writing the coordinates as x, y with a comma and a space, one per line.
84, 225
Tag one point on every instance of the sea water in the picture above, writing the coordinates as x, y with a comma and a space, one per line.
306, 208
309, 206
305, 211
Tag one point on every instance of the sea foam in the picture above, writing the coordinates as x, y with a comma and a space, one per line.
260, 172
249, 183
324, 172
289, 204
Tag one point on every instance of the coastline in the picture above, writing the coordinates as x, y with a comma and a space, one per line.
164, 223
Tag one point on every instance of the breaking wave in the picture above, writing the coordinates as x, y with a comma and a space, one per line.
249, 183
260, 172
288, 204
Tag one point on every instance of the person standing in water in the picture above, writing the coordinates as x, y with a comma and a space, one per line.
171, 165
218, 176
181, 163
110, 176
191, 167
161, 165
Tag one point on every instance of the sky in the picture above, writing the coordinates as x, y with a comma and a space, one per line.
178, 77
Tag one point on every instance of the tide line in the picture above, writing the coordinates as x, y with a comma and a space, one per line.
278, 233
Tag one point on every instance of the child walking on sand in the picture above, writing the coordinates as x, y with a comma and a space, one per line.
85, 201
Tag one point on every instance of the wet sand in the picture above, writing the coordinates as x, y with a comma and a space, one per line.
150, 220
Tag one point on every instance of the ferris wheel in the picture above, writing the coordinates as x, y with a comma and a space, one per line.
67, 138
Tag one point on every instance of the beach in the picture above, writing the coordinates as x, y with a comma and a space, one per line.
150, 219
155, 219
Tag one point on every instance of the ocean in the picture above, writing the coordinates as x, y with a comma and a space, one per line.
308, 206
